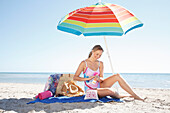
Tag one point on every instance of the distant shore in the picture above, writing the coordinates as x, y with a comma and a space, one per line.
14, 96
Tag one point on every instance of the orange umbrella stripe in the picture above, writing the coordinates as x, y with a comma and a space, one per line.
97, 9
94, 16
100, 13
94, 21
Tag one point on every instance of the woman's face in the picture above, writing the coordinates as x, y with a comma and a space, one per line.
97, 54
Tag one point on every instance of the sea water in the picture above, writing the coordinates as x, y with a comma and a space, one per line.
137, 80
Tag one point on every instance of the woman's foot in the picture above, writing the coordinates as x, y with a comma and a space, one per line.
124, 96
139, 98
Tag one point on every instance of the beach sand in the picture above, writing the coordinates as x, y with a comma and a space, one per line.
14, 96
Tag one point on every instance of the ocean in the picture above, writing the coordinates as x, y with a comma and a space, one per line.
135, 80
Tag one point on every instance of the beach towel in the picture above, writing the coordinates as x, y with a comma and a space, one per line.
52, 83
55, 82
65, 99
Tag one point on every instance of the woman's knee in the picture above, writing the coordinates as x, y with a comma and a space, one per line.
116, 75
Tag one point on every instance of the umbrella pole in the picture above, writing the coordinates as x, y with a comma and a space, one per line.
116, 86
108, 55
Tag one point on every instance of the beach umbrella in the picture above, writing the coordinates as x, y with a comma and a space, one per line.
101, 19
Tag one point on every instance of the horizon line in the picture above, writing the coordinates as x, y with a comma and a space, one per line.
74, 72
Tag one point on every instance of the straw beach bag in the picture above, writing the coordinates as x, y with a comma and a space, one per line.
70, 89
67, 86
63, 78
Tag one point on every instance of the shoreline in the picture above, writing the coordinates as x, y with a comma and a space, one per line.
38, 72
14, 96
137, 80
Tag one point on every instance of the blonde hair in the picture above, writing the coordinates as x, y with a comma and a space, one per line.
95, 48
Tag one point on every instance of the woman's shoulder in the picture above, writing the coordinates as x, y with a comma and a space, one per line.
100, 61
83, 62
87, 60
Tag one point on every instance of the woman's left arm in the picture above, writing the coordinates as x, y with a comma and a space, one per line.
101, 71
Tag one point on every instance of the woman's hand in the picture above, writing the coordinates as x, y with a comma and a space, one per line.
90, 78
100, 80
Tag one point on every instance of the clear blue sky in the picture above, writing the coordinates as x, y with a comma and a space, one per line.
30, 42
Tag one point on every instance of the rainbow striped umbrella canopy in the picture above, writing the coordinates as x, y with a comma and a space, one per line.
101, 19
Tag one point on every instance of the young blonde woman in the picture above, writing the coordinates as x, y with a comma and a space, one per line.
93, 77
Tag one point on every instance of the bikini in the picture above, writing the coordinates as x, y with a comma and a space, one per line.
91, 84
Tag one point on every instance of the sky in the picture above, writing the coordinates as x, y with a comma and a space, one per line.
30, 42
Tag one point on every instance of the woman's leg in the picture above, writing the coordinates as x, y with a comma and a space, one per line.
102, 92
108, 82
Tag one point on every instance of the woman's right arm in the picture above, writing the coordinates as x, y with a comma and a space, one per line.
78, 72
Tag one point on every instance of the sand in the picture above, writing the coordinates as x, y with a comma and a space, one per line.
14, 96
